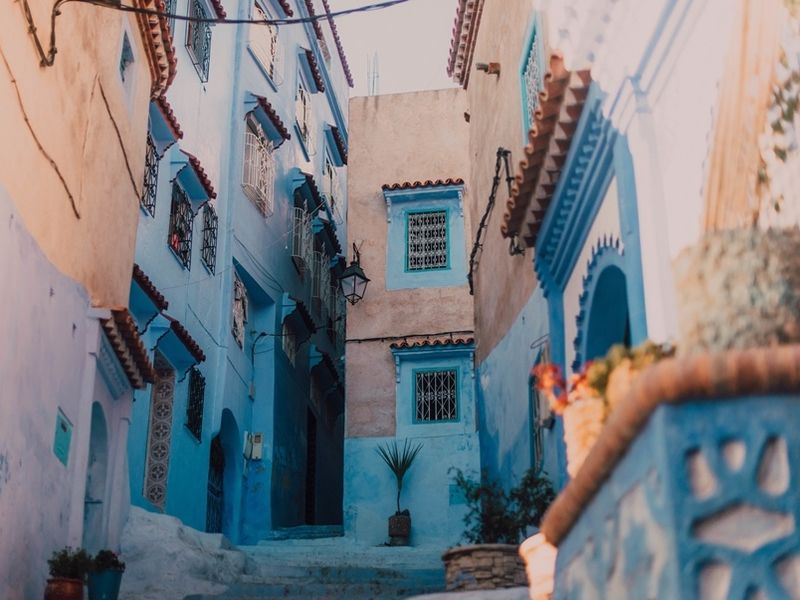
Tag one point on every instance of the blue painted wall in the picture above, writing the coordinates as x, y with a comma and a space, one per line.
252, 385
504, 400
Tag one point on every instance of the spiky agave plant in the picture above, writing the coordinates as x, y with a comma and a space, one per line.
399, 461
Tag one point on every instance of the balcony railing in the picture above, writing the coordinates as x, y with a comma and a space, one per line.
258, 178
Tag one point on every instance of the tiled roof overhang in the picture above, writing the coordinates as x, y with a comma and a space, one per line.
219, 9
430, 343
186, 339
339, 142
339, 47
165, 108
201, 174
157, 40
708, 376
120, 329
313, 190
412, 185
314, 22
280, 130
287, 9
149, 288
560, 107
462, 43
315, 72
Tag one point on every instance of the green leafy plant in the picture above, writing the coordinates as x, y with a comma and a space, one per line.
495, 516
106, 560
399, 461
69, 563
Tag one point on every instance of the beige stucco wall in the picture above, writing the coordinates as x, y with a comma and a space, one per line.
503, 283
397, 138
87, 125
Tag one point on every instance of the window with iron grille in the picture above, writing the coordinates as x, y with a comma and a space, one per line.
258, 177
264, 41
194, 405
150, 186
330, 182
289, 342
436, 395
532, 80
303, 113
208, 253
539, 415
240, 307
180, 226
198, 39
426, 240
302, 240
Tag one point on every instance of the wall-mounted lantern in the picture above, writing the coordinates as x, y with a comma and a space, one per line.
353, 281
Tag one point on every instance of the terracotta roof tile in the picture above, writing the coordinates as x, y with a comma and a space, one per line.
555, 121
330, 364
339, 140
201, 174
312, 186
312, 62
273, 116
149, 288
410, 185
287, 9
186, 339
426, 343
169, 116
462, 42
157, 39
120, 329
755, 371
219, 9
330, 230
339, 47
314, 22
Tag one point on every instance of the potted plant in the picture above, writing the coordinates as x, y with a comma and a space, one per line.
495, 522
399, 462
68, 569
105, 576
594, 393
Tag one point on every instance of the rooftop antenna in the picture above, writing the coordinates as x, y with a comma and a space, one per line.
373, 76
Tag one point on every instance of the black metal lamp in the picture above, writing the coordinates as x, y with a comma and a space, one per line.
353, 281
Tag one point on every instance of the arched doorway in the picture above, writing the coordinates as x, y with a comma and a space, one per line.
96, 471
224, 479
609, 318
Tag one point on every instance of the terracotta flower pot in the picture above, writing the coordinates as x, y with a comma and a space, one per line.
399, 529
739, 289
583, 422
60, 588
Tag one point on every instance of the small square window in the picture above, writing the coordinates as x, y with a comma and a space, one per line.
180, 226
426, 241
436, 395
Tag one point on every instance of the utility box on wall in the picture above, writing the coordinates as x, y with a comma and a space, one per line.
253, 445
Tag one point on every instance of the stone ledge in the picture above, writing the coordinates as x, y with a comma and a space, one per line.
708, 376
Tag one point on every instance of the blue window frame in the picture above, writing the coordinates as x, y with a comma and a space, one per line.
435, 395
531, 75
427, 240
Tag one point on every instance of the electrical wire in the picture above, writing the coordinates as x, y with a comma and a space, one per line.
47, 59
387, 338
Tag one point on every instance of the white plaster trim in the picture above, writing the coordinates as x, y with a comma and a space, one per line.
110, 368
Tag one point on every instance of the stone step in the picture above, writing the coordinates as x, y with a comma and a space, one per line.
305, 532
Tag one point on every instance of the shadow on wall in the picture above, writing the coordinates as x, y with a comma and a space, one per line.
94, 501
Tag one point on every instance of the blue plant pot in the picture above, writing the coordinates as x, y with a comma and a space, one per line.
104, 585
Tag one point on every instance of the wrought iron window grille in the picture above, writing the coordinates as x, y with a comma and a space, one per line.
303, 115
302, 240
208, 252
180, 226
170, 6
289, 342
330, 183
533, 79
258, 177
321, 283
150, 185
436, 395
426, 241
198, 39
194, 405
264, 42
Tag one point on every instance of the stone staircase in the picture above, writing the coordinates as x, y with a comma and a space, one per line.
300, 564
